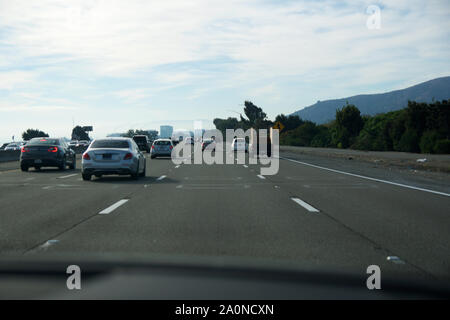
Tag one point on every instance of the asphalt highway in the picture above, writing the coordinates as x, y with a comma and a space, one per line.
312, 212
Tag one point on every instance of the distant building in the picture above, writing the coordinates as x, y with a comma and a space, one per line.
165, 132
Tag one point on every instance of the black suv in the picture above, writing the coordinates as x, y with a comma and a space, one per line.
142, 142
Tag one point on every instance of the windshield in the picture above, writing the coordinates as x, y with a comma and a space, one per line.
110, 144
260, 133
162, 143
43, 141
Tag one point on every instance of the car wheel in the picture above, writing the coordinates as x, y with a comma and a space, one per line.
152, 157
86, 177
143, 172
63, 165
135, 175
23, 168
73, 165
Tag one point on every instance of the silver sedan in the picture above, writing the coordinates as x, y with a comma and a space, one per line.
113, 156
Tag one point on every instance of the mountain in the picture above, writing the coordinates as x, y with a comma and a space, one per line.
371, 104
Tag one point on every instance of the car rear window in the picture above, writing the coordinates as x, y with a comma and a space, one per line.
140, 139
114, 144
43, 141
162, 143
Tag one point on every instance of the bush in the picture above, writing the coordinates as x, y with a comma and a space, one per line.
322, 138
428, 141
409, 142
301, 136
442, 146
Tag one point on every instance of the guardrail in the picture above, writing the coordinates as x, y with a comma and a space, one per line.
9, 155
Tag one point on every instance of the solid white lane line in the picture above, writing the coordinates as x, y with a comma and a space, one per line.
261, 177
47, 244
369, 178
395, 260
113, 207
305, 205
160, 178
68, 176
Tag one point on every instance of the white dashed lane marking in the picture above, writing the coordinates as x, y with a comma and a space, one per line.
160, 178
113, 207
305, 205
261, 177
68, 176
47, 244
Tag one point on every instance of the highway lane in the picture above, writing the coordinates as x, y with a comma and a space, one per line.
227, 210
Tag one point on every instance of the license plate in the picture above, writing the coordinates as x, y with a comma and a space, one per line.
38, 161
107, 156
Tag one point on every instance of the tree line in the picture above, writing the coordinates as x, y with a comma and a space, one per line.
419, 128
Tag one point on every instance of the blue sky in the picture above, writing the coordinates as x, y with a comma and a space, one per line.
139, 64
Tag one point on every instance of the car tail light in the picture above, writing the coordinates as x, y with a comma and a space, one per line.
53, 149
24, 149
128, 156
153, 147
86, 156
171, 147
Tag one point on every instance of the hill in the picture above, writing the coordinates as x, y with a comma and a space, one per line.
372, 104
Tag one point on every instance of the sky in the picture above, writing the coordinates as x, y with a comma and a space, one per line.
140, 64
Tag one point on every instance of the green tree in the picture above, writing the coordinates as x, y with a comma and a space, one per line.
151, 134
33, 133
290, 122
348, 125
224, 124
79, 134
256, 117
300, 136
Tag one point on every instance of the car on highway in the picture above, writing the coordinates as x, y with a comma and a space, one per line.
108, 156
239, 144
189, 140
161, 148
14, 146
209, 142
73, 143
142, 142
3, 146
83, 143
47, 152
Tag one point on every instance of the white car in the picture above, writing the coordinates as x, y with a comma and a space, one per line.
189, 140
83, 143
113, 156
239, 144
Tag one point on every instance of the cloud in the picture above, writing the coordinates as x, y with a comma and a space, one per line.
10, 80
158, 53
